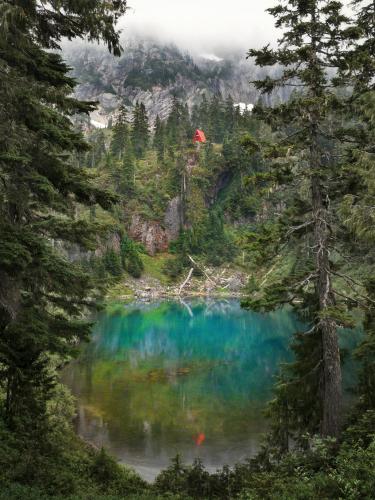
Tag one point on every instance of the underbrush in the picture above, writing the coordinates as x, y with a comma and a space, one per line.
65, 468
46, 460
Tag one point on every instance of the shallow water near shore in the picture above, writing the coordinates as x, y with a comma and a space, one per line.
190, 377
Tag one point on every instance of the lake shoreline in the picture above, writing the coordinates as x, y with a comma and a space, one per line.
155, 294
224, 283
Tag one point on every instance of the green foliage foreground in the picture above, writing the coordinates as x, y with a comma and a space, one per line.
62, 466
43, 296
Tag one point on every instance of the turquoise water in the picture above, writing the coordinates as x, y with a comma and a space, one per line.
191, 377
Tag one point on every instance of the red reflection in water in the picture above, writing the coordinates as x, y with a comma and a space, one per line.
200, 439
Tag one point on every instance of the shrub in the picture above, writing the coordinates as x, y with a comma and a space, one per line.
130, 258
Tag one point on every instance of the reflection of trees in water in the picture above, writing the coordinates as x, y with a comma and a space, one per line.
161, 373
212, 328
221, 355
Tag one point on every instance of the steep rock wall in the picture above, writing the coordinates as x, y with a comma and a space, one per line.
154, 235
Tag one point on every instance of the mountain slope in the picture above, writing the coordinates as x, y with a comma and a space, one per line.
152, 73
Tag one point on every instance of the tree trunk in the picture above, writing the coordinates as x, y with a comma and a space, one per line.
331, 390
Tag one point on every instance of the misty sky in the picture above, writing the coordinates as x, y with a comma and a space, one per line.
202, 26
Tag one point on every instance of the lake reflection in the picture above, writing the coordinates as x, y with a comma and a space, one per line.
186, 377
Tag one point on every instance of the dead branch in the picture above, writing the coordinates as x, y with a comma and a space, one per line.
297, 228
265, 277
186, 281
201, 268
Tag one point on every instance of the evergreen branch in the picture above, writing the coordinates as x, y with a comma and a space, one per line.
353, 283
308, 374
347, 278
297, 228
350, 299
294, 134
265, 277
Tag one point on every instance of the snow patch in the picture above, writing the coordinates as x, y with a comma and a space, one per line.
244, 107
211, 57
97, 124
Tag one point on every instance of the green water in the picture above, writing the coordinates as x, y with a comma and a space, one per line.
189, 377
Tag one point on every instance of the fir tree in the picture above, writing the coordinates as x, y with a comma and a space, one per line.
216, 128
127, 186
178, 130
359, 63
98, 148
131, 261
41, 292
230, 115
120, 134
140, 130
316, 37
159, 138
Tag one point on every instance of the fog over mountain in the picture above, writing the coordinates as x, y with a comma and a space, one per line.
175, 48
202, 26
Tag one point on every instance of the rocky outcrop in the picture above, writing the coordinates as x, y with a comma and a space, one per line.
173, 218
152, 73
150, 233
76, 253
154, 235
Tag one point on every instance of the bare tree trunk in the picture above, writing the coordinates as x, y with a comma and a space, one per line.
331, 390
186, 281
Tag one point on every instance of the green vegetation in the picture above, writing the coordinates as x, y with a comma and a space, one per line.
42, 293
288, 189
155, 266
208, 186
57, 464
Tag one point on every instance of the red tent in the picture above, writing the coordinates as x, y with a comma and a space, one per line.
199, 136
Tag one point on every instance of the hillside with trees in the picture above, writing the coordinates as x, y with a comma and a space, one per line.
283, 194
177, 197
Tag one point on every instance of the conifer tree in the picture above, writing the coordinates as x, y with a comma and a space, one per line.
140, 133
131, 260
357, 206
120, 134
97, 148
177, 128
315, 39
360, 61
216, 118
201, 115
41, 293
159, 138
229, 113
128, 172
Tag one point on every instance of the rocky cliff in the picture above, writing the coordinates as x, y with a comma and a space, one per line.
152, 73
156, 236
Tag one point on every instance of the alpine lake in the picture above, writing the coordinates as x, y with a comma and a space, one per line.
188, 376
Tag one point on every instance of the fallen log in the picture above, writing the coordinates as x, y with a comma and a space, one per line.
201, 269
186, 281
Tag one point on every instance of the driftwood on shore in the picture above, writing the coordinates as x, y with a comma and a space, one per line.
202, 269
210, 282
186, 281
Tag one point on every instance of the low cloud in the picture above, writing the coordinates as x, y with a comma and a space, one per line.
202, 26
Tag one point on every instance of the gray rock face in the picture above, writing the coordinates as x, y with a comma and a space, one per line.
152, 73
172, 219
152, 234
149, 233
